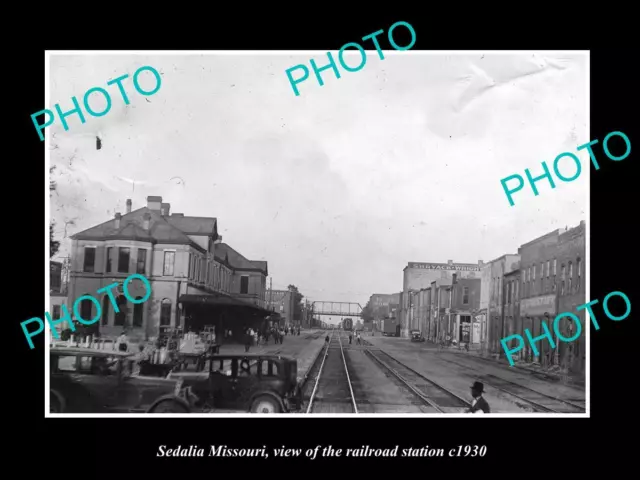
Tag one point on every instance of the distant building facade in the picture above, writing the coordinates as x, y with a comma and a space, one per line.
419, 275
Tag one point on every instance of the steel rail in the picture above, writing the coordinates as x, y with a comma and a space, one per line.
405, 382
344, 360
486, 378
315, 387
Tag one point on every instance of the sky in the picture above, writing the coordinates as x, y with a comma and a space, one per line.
340, 187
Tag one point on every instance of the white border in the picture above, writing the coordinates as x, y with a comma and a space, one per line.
587, 262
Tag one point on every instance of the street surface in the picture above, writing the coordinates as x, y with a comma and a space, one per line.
507, 389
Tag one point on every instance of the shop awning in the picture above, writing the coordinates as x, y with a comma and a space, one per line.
221, 301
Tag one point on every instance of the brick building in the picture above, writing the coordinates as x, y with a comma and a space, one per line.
196, 280
552, 282
417, 276
511, 304
571, 291
493, 279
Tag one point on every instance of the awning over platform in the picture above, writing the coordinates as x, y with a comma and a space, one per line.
222, 301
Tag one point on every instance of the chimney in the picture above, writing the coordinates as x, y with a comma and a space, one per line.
219, 239
154, 203
128, 205
164, 209
118, 217
480, 263
450, 262
147, 219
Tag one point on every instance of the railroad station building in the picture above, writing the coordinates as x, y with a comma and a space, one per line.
196, 280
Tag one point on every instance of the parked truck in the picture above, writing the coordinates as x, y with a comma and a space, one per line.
389, 327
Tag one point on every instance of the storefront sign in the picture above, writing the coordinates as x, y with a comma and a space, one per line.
538, 306
475, 338
445, 266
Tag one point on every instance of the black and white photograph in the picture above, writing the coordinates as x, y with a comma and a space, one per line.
227, 239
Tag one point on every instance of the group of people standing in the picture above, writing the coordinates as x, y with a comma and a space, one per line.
253, 337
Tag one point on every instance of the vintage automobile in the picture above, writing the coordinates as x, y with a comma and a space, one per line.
416, 336
86, 380
253, 383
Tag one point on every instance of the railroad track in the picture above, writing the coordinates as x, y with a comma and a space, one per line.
332, 390
540, 402
429, 392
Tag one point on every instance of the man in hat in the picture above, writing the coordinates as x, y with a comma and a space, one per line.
479, 404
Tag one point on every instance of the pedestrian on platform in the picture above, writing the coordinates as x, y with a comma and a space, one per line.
359, 339
350, 338
326, 339
247, 341
479, 404
122, 341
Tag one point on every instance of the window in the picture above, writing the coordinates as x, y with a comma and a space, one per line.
65, 363
570, 281
548, 265
165, 312
244, 284
121, 317
56, 312
169, 259
269, 368
465, 295
515, 297
107, 266
562, 280
554, 266
137, 313
142, 261
89, 259
123, 259
578, 270
542, 277
223, 366
106, 303
86, 310
251, 371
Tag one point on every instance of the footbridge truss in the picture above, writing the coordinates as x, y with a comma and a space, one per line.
337, 309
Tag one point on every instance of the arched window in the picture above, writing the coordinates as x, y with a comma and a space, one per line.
165, 312
120, 319
137, 313
579, 272
562, 280
106, 303
86, 310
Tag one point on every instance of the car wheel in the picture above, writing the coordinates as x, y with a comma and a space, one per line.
54, 403
265, 404
169, 406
